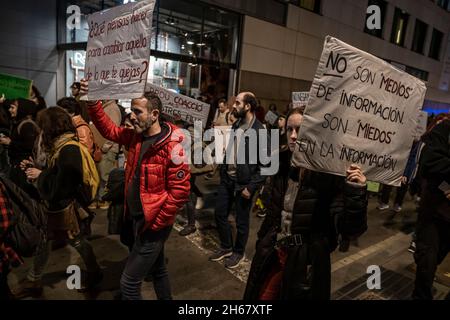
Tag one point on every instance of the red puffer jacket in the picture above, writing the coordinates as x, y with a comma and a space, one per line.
164, 185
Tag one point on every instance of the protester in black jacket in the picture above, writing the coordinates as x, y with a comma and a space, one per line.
61, 186
20, 142
307, 212
433, 225
239, 180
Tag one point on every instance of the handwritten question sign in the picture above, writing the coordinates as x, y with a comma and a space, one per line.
118, 51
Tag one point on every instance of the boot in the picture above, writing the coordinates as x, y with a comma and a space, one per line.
187, 230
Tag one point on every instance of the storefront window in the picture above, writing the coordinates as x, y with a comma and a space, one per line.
185, 28
75, 61
194, 46
190, 79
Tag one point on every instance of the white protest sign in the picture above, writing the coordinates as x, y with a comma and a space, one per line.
177, 105
300, 98
118, 51
422, 123
361, 110
271, 117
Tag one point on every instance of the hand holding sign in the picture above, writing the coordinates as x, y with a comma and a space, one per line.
354, 174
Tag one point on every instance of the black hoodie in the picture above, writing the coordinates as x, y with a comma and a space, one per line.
22, 142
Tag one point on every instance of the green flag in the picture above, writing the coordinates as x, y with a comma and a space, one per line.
373, 186
13, 87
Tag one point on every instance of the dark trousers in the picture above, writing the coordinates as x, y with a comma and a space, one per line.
302, 284
432, 246
147, 256
194, 187
401, 192
190, 205
4, 287
226, 194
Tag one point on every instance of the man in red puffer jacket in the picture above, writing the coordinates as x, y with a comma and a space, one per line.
156, 186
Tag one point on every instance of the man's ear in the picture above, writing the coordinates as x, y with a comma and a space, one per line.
155, 114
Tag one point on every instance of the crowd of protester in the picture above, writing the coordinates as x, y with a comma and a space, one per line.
68, 160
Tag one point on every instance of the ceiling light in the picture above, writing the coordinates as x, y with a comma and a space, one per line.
190, 42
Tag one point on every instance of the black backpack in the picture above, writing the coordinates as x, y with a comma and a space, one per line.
29, 229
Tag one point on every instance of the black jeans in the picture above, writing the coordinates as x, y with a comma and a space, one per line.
190, 205
226, 194
147, 255
4, 287
194, 187
298, 283
432, 246
400, 195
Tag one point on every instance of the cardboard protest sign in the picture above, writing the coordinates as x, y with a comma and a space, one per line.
14, 87
300, 99
373, 187
176, 105
361, 110
271, 118
118, 51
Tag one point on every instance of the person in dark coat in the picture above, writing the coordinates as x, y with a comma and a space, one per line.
20, 143
307, 212
61, 186
433, 225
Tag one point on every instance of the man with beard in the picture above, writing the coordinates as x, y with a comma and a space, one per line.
238, 182
156, 186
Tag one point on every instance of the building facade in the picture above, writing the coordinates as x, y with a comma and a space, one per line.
215, 48
414, 36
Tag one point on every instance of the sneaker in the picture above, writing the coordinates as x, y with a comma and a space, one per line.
233, 261
397, 208
209, 176
29, 289
189, 229
93, 205
220, 254
261, 213
344, 245
383, 206
200, 203
104, 205
412, 247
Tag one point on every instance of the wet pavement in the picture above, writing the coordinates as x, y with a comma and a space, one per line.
193, 277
